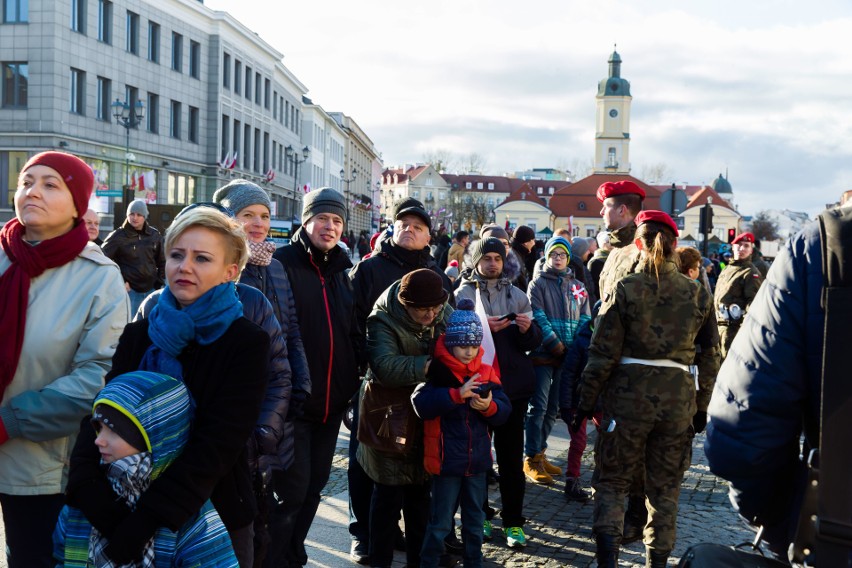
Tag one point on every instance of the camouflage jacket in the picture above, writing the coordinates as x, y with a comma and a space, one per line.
649, 319
737, 284
622, 260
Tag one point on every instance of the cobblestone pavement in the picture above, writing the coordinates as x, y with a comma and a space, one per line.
559, 532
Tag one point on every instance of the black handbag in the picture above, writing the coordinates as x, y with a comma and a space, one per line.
714, 555
386, 419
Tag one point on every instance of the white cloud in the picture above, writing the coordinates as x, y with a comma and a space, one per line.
757, 88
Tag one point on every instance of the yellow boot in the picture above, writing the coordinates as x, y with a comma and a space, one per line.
534, 470
549, 467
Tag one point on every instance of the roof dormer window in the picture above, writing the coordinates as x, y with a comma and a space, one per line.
491, 185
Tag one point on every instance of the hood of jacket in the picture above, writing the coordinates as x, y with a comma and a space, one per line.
624, 236
159, 406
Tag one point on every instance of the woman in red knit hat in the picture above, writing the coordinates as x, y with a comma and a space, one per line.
63, 309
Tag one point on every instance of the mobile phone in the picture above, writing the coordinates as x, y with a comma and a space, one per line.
483, 390
510, 316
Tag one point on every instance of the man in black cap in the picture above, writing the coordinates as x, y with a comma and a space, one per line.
515, 333
394, 256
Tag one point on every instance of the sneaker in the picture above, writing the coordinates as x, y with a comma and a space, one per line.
487, 527
358, 552
549, 467
534, 470
452, 544
515, 537
574, 490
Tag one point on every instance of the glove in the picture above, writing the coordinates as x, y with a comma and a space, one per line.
127, 542
699, 421
297, 403
578, 418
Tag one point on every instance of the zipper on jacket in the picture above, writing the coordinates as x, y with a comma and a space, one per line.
330, 338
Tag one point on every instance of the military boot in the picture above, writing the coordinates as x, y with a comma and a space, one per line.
608, 546
635, 519
656, 559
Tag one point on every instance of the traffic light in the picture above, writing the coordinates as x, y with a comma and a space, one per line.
732, 233
705, 220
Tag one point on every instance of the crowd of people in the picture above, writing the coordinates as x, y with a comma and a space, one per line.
186, 407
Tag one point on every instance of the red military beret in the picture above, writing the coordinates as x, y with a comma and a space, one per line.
613, 188
743, 238
658, 217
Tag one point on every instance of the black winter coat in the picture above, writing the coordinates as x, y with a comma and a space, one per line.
325, 308
227, 381
139, 256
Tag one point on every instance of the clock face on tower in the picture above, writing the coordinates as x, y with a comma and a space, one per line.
613, 113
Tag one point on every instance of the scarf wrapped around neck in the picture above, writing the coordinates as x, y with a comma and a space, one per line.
28, 262
172, 327
261, 253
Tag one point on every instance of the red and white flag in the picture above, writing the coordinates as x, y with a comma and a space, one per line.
233, 161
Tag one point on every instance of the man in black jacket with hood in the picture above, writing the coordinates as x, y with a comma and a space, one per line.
325, 308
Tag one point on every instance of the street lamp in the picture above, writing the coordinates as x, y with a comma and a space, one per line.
291, 155
129, 116
348, 181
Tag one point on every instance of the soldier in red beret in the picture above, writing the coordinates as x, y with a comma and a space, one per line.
736, 288
621, 203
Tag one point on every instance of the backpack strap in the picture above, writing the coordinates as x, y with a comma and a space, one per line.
834, 503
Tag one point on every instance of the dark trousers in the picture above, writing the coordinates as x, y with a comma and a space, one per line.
29, 522
243, 542
297, 491
447, 492
384, 512
360, 487
509, 448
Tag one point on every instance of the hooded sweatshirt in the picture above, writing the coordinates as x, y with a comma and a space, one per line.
161, 408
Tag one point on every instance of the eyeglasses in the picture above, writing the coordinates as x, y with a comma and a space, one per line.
424, 311
558, 255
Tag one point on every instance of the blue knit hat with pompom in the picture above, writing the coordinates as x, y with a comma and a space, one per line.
464, 327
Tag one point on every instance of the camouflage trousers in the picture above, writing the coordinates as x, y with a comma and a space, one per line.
666, 449
726, 337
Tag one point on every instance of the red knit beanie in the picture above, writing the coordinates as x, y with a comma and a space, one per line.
76, 174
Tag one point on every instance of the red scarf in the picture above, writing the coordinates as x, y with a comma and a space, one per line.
462, 371
28, 262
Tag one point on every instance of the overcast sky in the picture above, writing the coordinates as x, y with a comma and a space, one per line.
759, 89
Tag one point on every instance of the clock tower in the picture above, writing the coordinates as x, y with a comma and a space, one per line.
612, 122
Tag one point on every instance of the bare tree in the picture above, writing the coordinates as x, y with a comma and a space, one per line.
764, 228
475, 163
655, 174
441, 159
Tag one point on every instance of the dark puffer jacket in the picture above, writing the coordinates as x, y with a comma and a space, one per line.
456, 438
768, 392
273, 282
139, 256
325, 308
267, 444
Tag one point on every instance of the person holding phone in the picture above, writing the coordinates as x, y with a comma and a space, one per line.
458, 402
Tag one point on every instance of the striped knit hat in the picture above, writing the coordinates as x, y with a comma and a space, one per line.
464, 327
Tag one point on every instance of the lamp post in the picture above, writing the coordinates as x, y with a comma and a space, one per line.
348, 181
129, 116
291, 155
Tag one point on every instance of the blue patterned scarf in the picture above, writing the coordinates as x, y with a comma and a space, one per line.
172, 327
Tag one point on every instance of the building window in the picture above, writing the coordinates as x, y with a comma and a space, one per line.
442, 195
193, 124
177, 52
153, 116
238, 70
153, 42
490, 202
15, 85
468, 185
105, 21
78, 91
236, 144
194, 59
78, 16
266, 87
490, 185
274, 105
611, 162
550, 190
246, 146
256, 160
15, 12
104, 99
257, 91
415, 194
479, 185
581, 206
131, 95
539, 190
248, 83
226, 134
132, 33
287, 114
174, 122
226, 71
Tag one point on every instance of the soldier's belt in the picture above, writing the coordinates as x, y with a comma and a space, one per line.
691, 369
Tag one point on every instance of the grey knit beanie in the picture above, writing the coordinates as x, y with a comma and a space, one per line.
139, 207
483, 246
240, 194
579, 247
493, 230
323, 200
